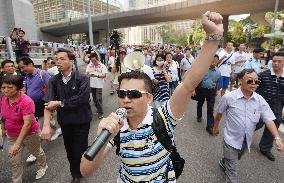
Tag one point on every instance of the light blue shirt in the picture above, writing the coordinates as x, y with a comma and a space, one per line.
242, 116
269, 64
102, 50
186, 63
253, 64
210, 79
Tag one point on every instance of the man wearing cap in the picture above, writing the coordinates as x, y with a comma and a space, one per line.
254, 62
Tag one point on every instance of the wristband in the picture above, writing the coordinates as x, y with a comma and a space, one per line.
214, 37
277, 138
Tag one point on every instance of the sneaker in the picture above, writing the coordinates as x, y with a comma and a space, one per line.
55, 135
31, 159
41, 172
222, 164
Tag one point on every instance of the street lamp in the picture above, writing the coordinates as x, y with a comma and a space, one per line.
107, 24
90, 24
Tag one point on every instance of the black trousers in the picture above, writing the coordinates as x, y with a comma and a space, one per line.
103, 58
76, 143
39, 108
267, 139
209, 95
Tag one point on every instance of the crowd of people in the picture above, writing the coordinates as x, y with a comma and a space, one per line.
252, 95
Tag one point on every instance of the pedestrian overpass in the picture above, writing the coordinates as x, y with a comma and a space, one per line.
189, 9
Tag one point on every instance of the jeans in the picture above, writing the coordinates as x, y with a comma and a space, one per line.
209, 95
76, 143
173, 86
97, 98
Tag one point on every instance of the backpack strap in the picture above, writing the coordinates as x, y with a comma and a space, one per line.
161, 132
116, 141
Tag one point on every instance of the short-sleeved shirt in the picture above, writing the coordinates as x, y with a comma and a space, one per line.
210, 79
143, 157
242, 116
225, 68
100, 69
254, 64
35, 84
148, 60
173, 69
240, 56
13, 115
186, 63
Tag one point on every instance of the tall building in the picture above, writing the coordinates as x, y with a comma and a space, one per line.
49, 11
149, 33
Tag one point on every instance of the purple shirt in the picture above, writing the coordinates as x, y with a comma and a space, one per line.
34, 84
22, 46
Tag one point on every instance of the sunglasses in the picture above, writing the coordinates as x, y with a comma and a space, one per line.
131, 93
257, 82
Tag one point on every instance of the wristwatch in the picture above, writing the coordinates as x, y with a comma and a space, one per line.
214, 37
278, 138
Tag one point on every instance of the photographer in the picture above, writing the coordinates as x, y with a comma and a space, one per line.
21, 43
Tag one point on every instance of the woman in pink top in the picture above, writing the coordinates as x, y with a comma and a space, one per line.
21, 127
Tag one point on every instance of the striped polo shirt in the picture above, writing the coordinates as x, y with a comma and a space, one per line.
271, 87
143, 157
272, 90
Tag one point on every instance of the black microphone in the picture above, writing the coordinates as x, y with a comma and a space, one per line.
102, 138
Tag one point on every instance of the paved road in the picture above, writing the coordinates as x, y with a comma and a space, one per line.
200, 150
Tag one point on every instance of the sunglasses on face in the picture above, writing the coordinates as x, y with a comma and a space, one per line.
131, 93
257, 82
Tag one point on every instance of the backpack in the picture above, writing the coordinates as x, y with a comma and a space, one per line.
163, 137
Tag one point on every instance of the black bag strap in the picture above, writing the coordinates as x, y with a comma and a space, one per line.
225, 60
161, 132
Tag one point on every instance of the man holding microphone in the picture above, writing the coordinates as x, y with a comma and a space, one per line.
143, 158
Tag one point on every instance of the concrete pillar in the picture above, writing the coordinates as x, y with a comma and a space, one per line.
12, 15
226, 27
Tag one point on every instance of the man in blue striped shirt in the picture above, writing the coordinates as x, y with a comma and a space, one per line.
143, 158
272, 90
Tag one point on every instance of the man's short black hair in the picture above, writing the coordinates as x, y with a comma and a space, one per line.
6, 62
137, 75
70, 55
13, 80
49, 58
187, 49
244, 72
179, 47
279, 53
26, 60
216, 56
168, 53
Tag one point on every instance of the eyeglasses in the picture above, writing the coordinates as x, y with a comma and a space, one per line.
131, 93
257, 82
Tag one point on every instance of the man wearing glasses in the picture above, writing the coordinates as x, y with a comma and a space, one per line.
244, 107
271, 89
143, 158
